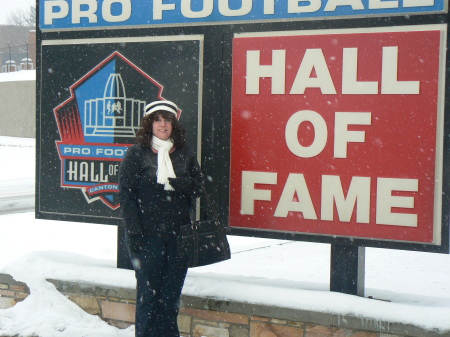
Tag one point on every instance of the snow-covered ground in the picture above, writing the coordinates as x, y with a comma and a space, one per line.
414, 286
23, 75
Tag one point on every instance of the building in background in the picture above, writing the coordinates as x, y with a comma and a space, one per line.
17, 48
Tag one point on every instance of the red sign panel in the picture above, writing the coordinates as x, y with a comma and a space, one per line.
339, 133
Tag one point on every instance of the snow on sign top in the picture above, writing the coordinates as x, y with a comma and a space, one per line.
64, 14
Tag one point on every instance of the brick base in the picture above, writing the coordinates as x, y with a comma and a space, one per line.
11, 291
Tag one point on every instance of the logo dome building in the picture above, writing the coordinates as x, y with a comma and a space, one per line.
113, 114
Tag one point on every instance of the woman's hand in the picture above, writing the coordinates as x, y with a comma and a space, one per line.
182, 184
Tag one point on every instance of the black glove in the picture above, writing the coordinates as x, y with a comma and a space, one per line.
135, 243
182, 184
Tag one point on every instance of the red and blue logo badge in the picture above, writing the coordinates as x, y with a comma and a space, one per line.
99, 122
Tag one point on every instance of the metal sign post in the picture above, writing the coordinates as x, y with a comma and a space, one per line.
347, 269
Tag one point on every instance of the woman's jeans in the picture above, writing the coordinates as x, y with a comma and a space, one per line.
159, 282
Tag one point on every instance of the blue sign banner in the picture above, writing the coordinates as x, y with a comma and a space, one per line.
92, 151
91, 14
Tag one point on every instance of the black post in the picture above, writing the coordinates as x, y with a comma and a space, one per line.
10, 61
347, 269
26, 64
123, 258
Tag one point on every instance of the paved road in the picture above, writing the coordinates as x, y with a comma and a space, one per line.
16, 196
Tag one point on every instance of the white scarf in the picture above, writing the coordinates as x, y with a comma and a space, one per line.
165, 168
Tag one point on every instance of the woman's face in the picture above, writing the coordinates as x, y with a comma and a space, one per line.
162, 128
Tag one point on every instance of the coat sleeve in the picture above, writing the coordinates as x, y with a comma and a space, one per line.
129, 174
197, 176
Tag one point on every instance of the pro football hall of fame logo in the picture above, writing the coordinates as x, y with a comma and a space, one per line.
98, 123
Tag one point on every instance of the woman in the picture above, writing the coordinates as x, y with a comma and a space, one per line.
159, 180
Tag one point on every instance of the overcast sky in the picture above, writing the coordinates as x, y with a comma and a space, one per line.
9, 6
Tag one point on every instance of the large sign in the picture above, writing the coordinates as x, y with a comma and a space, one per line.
91, 106
65, 14
339, 132
312, 130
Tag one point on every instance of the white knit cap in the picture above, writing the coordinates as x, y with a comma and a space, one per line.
161, 105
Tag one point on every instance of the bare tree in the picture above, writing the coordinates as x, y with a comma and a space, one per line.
23, 17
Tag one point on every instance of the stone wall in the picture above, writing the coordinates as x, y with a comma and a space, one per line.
215, 318
11, 291
18, 109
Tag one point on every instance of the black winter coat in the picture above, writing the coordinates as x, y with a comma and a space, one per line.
147, 209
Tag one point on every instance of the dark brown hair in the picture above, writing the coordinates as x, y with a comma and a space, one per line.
145, 133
